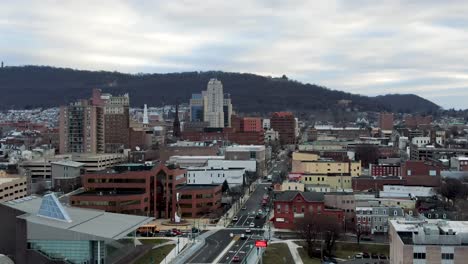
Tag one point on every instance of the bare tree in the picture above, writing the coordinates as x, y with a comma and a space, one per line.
308, 230
452, 189
367, 154
314, 225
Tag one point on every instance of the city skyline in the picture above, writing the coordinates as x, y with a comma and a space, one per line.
360, 47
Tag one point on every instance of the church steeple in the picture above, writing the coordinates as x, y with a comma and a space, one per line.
176, 125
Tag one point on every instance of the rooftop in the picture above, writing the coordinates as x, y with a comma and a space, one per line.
10, 179
245, 148
198, 186
69, 163
287, 196
86, 223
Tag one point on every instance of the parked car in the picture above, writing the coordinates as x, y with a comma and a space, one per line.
252, 224
366, 238
382, 256
169, 233
235, 259
248, 231
243, 236
176, 231
234, 218
195, 230
358, 256
365, 255
374, 256
244, 208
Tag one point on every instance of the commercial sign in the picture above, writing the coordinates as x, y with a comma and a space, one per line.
261, 243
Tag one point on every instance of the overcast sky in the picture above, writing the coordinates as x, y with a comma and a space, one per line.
367, 47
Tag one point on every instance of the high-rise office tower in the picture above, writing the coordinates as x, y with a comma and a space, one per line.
82, 126
214, 113
117, 122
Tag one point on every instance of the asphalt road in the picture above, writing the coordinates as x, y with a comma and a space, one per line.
242, 247
215, 244
252, 205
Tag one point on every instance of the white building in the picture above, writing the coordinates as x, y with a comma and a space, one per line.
266, 123
396, 191
459, 163
214, 113
193, 161
423, 141
271, 135
208, 175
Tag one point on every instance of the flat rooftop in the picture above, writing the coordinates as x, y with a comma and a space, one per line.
117, 192
197, 186
10, 179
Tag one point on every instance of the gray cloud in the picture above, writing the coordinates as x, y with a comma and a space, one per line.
368, 47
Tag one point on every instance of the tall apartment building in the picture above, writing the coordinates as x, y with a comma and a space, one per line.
211, 106
386, 121
82, 126
428, 241
116, 122
285, 124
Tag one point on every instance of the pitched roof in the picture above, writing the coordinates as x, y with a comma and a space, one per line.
287, 196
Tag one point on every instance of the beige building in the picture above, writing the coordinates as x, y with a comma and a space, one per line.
292, 185
425, 241
12, 187
311, 163
98, 162
343, 201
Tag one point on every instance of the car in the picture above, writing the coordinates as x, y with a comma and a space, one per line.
169, 233
248, 231
243, 236
195, 230
235, 259
252, 224
260, 211
234, 218
358, 256
365, 255
257, 216
176, 231
366, 238
244, 208
374, 256
382, 256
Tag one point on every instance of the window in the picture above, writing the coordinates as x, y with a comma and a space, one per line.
432, 173
311, 209
302, 209
286, 208
278, 208
447, 255
444, 216
395, 213
419, 255
409, 173
359, 219
294, 208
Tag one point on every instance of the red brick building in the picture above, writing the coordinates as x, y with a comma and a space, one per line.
385, 170
386, 121
132, 189
375, 183
416, 121
421, 173
291, 205
199, 200
285, 124
227, 134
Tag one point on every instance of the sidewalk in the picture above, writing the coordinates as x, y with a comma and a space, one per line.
226, 218
294, 253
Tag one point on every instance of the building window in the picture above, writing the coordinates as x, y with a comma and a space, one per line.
278, 208
294, 208
447, 255
395, 213
286, 209
311, 209
359, 219
253, 155
419, 255
303, 209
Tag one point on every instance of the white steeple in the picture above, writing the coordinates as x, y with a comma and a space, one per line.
145, 116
